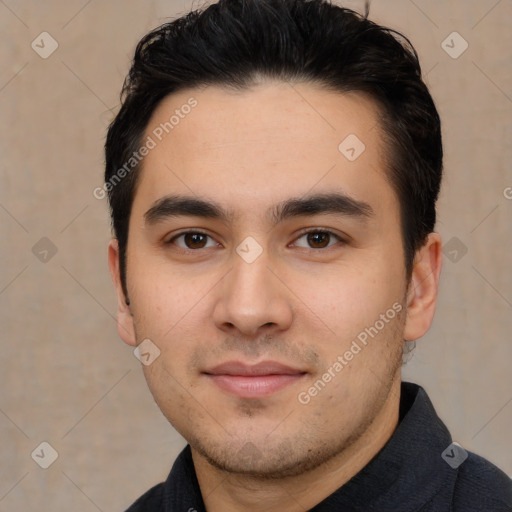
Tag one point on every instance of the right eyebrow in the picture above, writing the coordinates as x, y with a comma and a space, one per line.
176, 206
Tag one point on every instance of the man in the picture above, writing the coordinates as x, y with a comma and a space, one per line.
272, 175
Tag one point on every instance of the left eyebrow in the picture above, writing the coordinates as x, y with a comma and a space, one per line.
335, 203
330, 203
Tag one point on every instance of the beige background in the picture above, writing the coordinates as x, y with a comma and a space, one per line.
67, 379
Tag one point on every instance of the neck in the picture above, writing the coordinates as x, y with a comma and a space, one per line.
225, 492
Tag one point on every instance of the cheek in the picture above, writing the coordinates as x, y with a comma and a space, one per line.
166, 300
172, 391
346, 299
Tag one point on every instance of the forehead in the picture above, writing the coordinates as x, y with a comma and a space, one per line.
259, 146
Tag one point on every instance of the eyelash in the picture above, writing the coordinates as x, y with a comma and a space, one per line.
301, 234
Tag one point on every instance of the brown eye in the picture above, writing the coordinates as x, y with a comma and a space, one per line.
195, 240
192, 240
318, 239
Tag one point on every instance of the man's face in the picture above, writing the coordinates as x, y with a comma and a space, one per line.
255, 287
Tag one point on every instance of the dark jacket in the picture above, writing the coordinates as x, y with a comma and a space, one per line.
418, 470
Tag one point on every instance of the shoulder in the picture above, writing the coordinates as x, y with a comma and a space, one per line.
151, 501
480, 485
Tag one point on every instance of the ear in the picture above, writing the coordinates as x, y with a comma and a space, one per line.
423, 287
125, 326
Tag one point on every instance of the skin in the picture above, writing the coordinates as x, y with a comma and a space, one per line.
299, 303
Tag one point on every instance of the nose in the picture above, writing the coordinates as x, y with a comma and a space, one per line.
253, 300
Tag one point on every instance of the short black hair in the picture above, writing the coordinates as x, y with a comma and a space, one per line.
234, 43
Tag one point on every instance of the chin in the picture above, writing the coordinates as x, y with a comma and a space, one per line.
263, 460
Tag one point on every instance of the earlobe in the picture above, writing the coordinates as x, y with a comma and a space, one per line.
423, 288
125, 326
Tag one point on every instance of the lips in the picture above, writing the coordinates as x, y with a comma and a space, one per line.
253, 381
